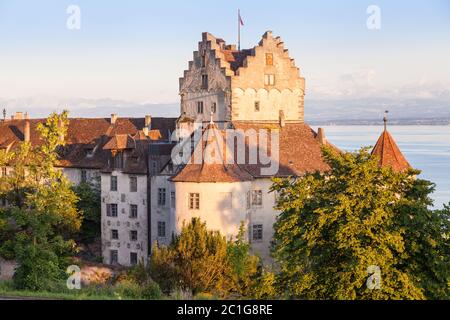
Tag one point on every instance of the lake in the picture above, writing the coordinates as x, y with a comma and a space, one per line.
427, 148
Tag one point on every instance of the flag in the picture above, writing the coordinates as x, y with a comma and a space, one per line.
241, 22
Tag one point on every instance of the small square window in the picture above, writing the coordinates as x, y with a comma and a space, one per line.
133, 258
83, 176
200, 107
257, 232
172, 199
133, 235
161, 229
204, 81
203, 59
194, 201
113, 257
111, 210
269, 79
133, 184
113, 183
161, 197
269, 59
114, 234
257, 106
257, 198
133, 211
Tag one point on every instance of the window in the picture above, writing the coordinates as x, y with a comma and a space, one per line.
111, 210
154, 168
214, 107
83, 176
257, 198
133, 184
269, 59
257, 232
113, 257
172, 199
200, 107
204, 81
203, 59
269, 79
118, 161
257, 106
114, 234
4, 172
161, 229
133, 235
133, 211
113, 183
89, 153
162, 197
133, 258
194, 201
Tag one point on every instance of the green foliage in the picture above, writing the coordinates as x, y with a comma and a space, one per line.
41, 216
335, 225
89, 205
204, 263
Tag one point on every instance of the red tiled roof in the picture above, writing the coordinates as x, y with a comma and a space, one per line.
216, 169
389, 153
300, 153
88, 136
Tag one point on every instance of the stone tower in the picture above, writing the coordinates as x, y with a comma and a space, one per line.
261, 84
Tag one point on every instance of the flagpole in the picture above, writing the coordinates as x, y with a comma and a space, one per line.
239, 29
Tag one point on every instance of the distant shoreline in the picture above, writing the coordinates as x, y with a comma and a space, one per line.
443, 122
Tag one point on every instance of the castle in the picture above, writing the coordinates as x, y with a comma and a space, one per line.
146, 195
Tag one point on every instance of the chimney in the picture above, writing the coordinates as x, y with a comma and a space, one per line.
145, 130
113, 118
26, 131
321, 136
148, 122
18, 116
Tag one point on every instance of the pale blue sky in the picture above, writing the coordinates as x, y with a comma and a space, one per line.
136, 50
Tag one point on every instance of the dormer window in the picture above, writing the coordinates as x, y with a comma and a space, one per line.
90, 152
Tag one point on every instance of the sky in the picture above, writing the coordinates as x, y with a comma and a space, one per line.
135, 51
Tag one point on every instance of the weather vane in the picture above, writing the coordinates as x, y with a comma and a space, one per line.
385, 119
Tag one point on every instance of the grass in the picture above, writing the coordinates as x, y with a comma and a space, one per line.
89, 293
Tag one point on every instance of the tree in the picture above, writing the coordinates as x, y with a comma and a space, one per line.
203, 261
41, 215
427, 238
339, 228
89, 204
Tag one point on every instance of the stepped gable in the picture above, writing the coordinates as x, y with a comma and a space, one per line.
389, 153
